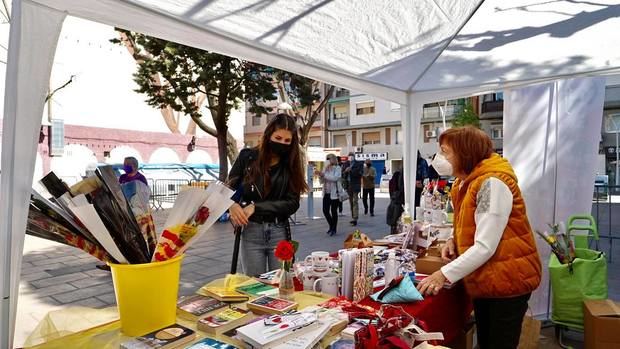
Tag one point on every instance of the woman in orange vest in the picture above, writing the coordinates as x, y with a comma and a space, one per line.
492, 248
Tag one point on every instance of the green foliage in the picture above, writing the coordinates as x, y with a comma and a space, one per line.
188, 71
466, 117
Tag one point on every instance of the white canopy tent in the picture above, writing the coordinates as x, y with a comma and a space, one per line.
409, 52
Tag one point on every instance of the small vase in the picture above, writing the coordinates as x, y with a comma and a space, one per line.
286, 287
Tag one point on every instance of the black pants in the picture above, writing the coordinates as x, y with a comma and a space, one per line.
371, 193
339, 206
498, 321
330, 211
418, 196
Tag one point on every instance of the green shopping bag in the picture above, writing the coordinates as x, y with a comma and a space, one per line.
571, 285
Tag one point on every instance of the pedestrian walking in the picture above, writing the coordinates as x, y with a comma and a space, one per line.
331, 178
368, 184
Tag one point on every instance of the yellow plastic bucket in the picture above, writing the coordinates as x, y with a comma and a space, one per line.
146, 295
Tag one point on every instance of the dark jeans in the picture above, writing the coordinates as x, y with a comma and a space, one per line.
339, 206
330, 211
366, 193
498, 321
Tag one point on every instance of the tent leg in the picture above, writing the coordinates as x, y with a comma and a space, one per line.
32, 43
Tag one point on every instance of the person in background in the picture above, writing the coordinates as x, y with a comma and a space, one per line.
420, 175
269, 180
368, 184
331, 177
397, 200
493, 248
353, 171
342, 184
130, 166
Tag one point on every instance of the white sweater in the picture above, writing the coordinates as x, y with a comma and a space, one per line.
493, 208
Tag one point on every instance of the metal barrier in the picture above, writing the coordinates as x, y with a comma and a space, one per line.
165, 191
604, 204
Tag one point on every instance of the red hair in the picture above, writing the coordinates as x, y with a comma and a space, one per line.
470, 145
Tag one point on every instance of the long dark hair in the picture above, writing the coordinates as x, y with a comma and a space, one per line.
293, 160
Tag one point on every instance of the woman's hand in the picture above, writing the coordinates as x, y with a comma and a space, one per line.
432, 283
249, 210
447, 251
237, 215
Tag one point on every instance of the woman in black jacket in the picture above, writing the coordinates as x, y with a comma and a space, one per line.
269, 180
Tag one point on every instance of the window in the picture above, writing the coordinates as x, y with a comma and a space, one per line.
499, 96
493, 97
394, 106
57, 138
255, 120
497, 132
371, 138
399, 137
340, 141
365, 108
612, 123
314, 141
340, 112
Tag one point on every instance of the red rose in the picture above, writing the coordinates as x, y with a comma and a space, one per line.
285, 250
201, 215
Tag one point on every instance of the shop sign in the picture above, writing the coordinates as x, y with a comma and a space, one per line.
371, 156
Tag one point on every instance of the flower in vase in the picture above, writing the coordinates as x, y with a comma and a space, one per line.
285, 252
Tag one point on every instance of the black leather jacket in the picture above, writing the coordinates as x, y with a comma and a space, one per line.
279, 204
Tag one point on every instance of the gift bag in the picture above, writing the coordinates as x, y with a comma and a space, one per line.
571, 284
530, 333
381, 332
357, 239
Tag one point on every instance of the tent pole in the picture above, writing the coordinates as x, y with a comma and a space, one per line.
32, 43
411, 115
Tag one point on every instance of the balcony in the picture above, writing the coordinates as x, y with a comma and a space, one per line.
344, 122
341, 93
492, 107
433, 112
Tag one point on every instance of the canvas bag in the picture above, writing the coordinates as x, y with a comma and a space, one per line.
342, 194
571, 284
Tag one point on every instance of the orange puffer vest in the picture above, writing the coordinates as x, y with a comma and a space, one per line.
515, 267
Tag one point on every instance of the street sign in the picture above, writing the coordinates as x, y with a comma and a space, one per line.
371, 156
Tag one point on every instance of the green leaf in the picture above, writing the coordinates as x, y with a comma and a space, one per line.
295, 245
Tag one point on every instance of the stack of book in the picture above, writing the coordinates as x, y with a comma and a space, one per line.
299, 330
255, 288
195, 307
224, 321
222, 294
271, 305
169, 337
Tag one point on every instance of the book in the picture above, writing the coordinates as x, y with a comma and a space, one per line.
210, 343
222, 294
172, 336
306, 340
257, 289
198, 306
270, 305
349, 331
260, 334
231, 335
224, 320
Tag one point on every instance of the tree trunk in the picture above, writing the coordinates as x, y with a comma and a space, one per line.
222, 149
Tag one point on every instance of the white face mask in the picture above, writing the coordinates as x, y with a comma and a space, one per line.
441, 165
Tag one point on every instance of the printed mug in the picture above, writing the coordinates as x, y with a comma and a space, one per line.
329, 284
319, 262
439, 217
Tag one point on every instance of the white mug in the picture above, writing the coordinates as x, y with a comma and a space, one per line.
439, 217
329, 284
318, 261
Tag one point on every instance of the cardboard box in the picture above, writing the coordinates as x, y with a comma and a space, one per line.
428, 264
601, 324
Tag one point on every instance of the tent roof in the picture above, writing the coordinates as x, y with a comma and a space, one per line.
385, 49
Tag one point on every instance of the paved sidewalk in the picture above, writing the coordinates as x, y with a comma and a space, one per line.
55, 276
